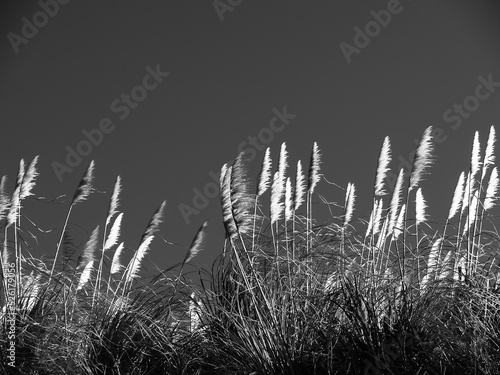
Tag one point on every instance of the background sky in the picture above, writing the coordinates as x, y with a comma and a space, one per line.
228, 70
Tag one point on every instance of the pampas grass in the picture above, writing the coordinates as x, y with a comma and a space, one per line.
303, 299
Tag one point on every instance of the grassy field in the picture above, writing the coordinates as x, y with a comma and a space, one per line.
394, 294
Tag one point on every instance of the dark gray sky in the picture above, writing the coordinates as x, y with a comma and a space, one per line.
228, 71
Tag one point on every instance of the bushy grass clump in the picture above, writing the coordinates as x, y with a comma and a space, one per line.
392, 294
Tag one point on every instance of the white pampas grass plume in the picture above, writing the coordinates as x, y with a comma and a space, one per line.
457, 197
472, 213
475, 161
423, 158
116, 265
265, 174
277, 193
314, 175
282, 162
399, 226
374, 222
112, 239
85, 186
4, 198
196, 245
350, 198
489, 156
20, 172
15, 201
85, 276
89, 249
225, 196
288, 199
378, 218
241, 200
447, 268
14, 207
432, 262
136, 261
420, 207
397, 197
468, 192
383, 167
29, 180
300, 186
115, 196
492, 190
154, 223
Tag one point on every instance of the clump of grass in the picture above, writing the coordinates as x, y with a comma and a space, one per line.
393, 294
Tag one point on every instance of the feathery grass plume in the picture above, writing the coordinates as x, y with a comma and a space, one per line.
288, 199
300, 186
136, 261
423, 158
396, 200
85, 276
20, 172
283, 162
375, 216
468, 192
447, 268
489, 156
420, 207
4, 198
475, 161
265, 173
89, 249
14, 207
383, 232
457, 197
114, 202
277, 194
314, 175
196, 245
472, 213
399, 226
85, 186
114, 234
350, 198
29, 180
492, 190
242, 201
377, 223
433, 261
15, 200
154, 223
383, 167
225, 196
116, 265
